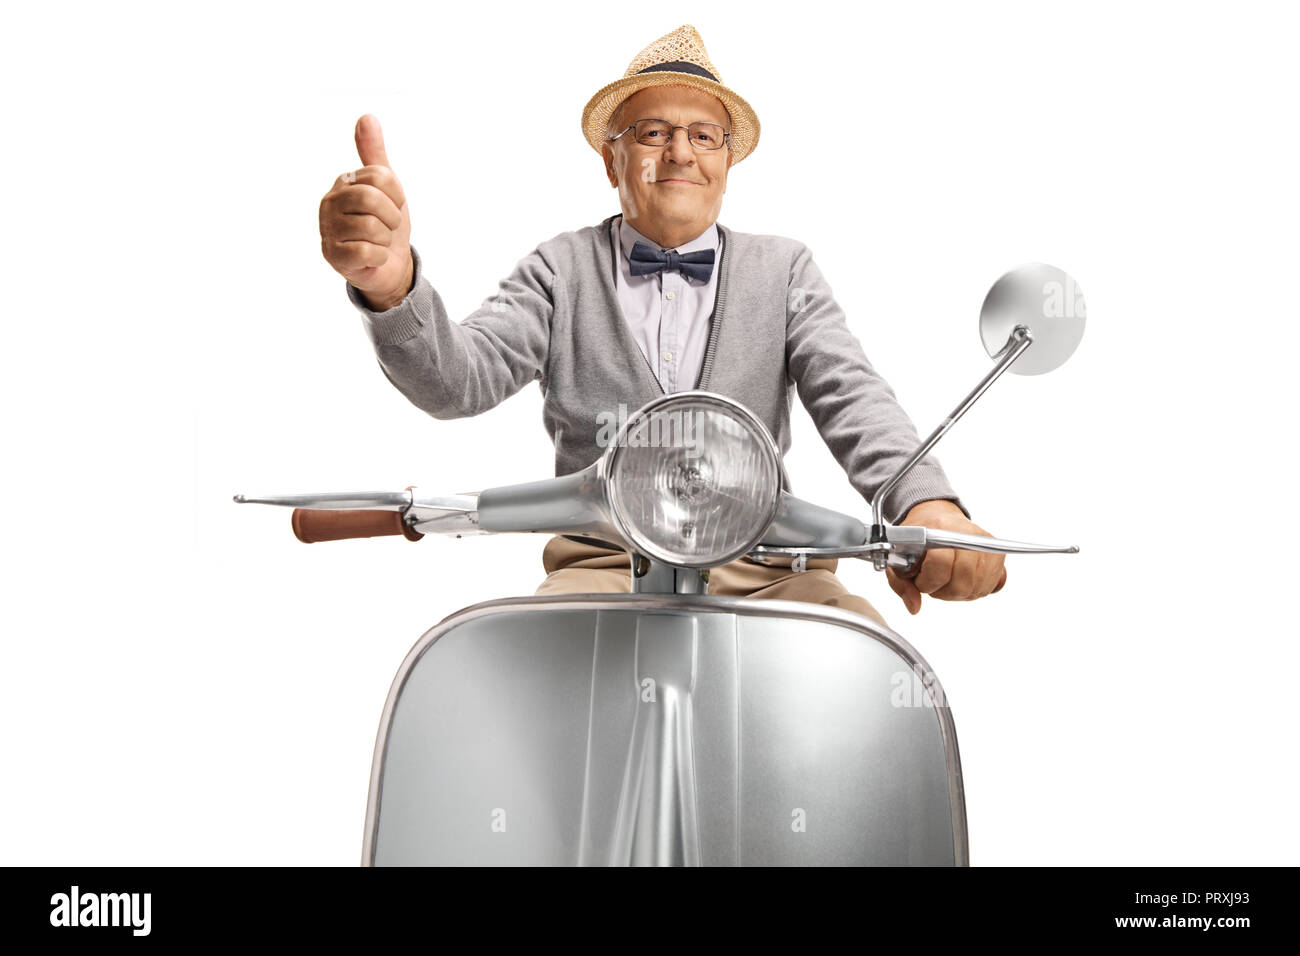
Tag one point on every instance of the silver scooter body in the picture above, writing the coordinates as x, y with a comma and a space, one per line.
625, 729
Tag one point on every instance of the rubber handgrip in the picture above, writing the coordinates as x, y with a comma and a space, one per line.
310, 525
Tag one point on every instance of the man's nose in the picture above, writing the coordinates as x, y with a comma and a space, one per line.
680, 152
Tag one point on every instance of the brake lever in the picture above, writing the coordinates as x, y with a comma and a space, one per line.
909, 543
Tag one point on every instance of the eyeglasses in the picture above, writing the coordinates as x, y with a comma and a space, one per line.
657, 132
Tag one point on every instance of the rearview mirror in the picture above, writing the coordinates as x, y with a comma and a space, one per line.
1044, 299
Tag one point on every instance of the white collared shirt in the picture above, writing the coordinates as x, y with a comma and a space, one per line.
667, 312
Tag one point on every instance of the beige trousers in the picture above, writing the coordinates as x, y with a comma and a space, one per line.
575, 567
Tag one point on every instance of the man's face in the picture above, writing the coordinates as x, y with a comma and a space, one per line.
672, 192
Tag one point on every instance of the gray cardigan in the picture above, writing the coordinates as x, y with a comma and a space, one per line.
556, 318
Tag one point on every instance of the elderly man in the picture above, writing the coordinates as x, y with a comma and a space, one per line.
659, 299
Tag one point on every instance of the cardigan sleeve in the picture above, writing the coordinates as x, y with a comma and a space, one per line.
854, 409
455, 370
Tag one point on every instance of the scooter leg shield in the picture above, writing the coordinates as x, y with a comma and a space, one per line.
623, 729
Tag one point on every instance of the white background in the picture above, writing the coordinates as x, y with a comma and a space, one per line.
185, 683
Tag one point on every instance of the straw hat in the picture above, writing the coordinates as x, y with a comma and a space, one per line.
677, 58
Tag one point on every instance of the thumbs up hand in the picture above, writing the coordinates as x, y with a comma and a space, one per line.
365, 227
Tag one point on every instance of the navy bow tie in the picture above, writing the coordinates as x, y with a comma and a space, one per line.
646, 259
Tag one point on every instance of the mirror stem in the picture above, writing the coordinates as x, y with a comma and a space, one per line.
1019, 340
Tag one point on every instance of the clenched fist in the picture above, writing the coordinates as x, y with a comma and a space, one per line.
365, 227
947, 573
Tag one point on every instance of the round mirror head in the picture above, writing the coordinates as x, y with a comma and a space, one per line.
1046, 300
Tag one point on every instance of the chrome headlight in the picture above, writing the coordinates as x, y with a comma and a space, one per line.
693, 479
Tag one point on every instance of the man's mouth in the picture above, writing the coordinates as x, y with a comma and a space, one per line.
690, 182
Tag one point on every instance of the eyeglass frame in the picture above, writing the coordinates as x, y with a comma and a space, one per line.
726, 134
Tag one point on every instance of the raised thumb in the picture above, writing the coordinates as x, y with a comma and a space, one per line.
370, 142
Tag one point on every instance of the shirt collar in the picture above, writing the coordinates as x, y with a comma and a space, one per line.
628, 236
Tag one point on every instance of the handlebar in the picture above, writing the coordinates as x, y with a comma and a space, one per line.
905, 545
335, 516
405, 513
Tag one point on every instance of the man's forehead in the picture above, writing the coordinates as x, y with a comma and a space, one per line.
676, 99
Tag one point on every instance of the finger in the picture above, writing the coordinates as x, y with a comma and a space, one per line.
1001, 582
354, 228
991, 575
961, 579
366, 200
906, 590
936, 569
383, 179
985, 574
979, 565
353, 255
370, 142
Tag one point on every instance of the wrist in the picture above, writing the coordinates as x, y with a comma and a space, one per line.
382, 302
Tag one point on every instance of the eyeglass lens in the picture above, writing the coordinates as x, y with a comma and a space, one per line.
653, 132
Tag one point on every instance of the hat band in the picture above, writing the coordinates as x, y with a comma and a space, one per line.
680, 66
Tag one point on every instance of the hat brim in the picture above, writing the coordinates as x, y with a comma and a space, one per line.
596, 114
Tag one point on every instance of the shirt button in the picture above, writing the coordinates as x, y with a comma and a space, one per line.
670, 296
668, 356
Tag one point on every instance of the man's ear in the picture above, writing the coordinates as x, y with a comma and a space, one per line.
607, 152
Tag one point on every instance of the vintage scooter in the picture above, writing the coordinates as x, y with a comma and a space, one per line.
668, 725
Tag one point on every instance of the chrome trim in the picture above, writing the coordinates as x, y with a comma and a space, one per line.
757, 607
452, 514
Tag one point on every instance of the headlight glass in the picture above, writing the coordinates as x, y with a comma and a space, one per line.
694, 480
